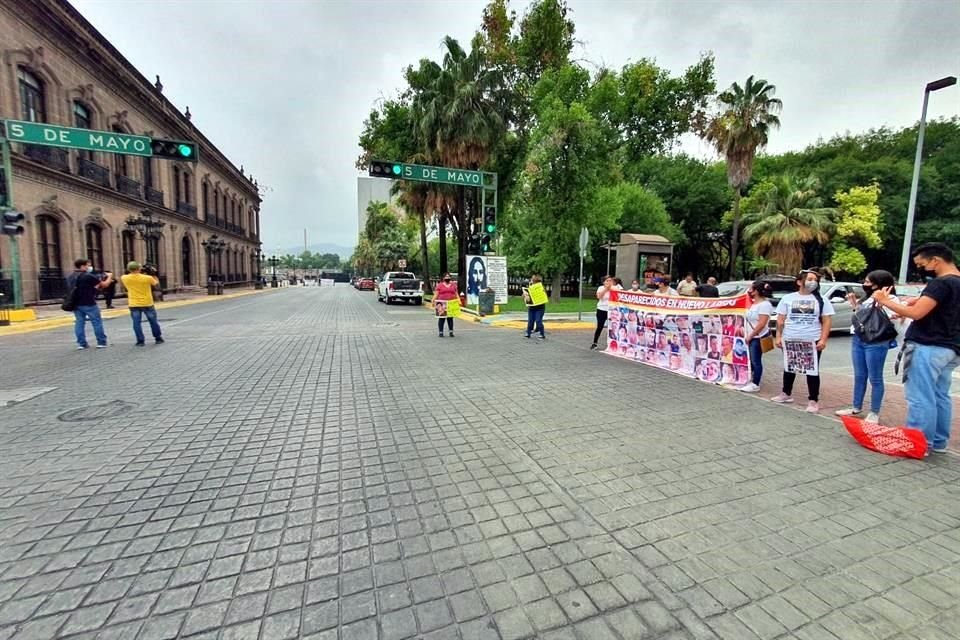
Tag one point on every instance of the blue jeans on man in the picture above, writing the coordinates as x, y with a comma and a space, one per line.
926, 387
136, 314
868, 362
80, 317
535, 320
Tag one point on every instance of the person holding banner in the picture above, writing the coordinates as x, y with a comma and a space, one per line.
603, 306
804, 319
758, 337
445, 291
536, 298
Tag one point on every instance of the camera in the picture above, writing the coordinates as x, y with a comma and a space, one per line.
149, 269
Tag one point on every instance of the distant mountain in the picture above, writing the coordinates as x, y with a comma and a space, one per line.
323, 247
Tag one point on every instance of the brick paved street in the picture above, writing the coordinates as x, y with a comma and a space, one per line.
308, 463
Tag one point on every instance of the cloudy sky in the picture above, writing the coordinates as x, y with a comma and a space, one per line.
283, 87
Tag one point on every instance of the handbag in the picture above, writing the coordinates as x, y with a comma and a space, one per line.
766, 343
872, 324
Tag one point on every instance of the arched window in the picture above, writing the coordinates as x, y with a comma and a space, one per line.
82, 120
32, 96
186, 260
94, 237
187, 191
153, 252
119, 159
176, 186
148, 172
216, 205
48, 243
206, 202
129, 241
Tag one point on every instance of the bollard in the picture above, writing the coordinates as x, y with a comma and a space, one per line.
4, 311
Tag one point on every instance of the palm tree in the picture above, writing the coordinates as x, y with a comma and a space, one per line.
747, 114
791, 216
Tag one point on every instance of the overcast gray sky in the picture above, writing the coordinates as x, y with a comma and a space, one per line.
283, 87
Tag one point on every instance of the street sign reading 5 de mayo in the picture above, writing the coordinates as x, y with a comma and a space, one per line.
70, 138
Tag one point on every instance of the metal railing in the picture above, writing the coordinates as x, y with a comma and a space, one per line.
187, 209
92, 171
153, 196
53, 157
128, 186
52, 285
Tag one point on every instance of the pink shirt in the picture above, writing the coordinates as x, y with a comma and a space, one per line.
446, 291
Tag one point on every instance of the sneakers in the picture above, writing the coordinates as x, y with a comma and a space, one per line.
139, 344
593, 347
101, 346
749, 388
847, 412
441, 334
942, 449
81, 347
451, 335
160, 341
813, 407
872, 418
541, 337
527, 336
782, 398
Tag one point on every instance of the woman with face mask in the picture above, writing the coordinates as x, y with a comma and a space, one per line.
804, 316
757, 330
603, 307
446, 290
868, 358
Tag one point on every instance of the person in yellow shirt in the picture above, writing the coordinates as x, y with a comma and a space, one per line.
139, 288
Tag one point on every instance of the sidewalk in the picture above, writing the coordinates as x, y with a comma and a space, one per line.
52, 316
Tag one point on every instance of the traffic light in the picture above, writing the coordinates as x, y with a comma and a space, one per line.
485, 243
11, 223
490, 220
175, 150
381, 169
473, 245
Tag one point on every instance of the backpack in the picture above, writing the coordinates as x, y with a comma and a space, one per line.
70, 300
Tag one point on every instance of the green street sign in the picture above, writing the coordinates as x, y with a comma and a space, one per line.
86, 139
424, 173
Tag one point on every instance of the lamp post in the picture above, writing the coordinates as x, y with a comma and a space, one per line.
149, 231
259, 256
213, 246
274, 261
936, 85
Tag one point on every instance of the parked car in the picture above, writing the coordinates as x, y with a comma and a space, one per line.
400, 285
835, 292
366, 284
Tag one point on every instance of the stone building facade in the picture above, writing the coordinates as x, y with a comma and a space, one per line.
56, 68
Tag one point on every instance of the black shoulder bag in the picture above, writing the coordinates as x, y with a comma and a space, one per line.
872, 324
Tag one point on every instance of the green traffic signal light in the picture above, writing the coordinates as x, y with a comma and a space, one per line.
491, 227
185, 150
396, 169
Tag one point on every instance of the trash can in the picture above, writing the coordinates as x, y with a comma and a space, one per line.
487, 299
219, 288
4, 311
211, 287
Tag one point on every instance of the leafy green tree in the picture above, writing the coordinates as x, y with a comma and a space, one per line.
789, 216
858, 227
747, 114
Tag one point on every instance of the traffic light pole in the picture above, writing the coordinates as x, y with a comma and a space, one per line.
14, 244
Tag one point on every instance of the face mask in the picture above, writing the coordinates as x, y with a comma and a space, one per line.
811, 285
89, 269
869, 288
447, 280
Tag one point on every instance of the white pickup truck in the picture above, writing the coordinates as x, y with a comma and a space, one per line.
400, 285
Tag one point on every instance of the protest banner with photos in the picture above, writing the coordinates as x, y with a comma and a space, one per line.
800, 357
701, 338
447, 308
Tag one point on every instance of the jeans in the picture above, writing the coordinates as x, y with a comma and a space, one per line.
535, 319
868, 361
80, 317
136, 314
440, 324
813, 383
601, 321
927, 390
756, 361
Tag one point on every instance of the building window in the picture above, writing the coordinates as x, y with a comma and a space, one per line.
147, 172
48, 243
82, 120
206, 202
119, 160
187, 195
129, 242
32, 98
94, 236
153, 252
176, 186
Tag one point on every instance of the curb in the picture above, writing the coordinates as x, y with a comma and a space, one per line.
67, 320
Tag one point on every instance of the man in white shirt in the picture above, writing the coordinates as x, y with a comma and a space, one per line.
664, 288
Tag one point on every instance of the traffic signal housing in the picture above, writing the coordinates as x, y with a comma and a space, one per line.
490, 220
486, 241
175, 150
11, 223
383, 169
473, 245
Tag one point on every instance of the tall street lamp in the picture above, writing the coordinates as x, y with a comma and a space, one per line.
274, 261
936, 85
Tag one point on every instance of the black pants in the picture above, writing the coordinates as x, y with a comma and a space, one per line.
440, 324
813, 383
601, 320
108, 295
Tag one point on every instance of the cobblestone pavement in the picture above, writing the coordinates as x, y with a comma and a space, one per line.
312, 464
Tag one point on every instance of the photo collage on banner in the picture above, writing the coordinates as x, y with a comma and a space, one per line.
701, 338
